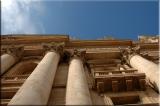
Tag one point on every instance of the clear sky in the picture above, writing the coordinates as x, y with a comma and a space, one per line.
82, 19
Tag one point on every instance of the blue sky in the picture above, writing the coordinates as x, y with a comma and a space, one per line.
82, 19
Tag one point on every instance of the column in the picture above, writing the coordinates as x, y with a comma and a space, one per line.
7, 61
77, 92
36, 89
10, 58
145, 66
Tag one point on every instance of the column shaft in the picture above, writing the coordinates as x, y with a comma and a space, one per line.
147, 67
36, 89
77, 92
7, 61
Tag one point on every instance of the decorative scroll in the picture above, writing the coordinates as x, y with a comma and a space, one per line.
57, 47
16, 51
128, 52
78, 54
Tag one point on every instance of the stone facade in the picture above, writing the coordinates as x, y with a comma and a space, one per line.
56, 70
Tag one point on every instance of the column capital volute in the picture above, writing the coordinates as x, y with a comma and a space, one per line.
80, 54
16, 51
54, 46
127, 53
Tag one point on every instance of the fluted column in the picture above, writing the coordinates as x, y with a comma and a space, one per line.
77, 92
147, 67
36, 89
10, 58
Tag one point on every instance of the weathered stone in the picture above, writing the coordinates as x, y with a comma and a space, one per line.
37, 88
6, 62
77, 92
107, 70
147, 67
12, 55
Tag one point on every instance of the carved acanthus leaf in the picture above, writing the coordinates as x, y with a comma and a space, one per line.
15, 50
78, 54
128, 52
58, 47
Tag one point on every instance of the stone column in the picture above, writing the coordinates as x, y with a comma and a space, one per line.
7, 61
36, 89
77, 92
130, 55
145, 66
12, 55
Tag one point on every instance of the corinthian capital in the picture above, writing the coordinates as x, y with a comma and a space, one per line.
126, 53
56, 47
78, 54
16, 51
130, 50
